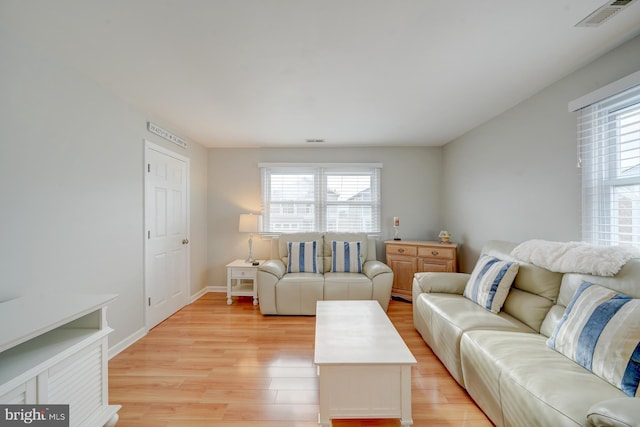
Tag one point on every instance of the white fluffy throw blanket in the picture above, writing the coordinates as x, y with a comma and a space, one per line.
575, 257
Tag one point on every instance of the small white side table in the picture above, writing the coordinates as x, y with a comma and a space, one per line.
239, 274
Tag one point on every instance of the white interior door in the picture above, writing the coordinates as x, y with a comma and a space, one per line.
167, 229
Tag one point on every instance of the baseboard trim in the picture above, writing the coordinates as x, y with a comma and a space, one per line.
119, 347
195, 297
206, 290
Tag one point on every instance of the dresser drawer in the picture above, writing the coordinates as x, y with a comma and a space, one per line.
436, 252
401, 250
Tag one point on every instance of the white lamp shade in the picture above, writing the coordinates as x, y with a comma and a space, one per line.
249, 223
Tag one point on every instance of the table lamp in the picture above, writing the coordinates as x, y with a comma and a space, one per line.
250, 223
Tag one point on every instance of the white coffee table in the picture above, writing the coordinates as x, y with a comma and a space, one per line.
364, 366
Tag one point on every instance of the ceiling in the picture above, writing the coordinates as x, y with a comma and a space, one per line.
274, 73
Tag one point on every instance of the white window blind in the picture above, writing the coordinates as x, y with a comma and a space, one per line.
332, 197
609, 141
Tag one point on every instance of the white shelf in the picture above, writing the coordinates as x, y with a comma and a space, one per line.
53, 349
32, 316
27, 359
242, 289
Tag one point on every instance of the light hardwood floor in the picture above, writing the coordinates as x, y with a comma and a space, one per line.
212, 364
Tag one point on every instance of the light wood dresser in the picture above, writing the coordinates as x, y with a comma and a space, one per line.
407, 257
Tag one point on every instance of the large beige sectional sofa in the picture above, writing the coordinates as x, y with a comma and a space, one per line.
503, 360
296, 293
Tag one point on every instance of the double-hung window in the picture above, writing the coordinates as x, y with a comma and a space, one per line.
320, 197
609, 150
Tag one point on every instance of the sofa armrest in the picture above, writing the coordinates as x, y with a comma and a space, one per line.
448, 283
275, 267
372, 268
381, 277
621, 412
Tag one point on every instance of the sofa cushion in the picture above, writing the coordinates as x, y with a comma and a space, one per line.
490, 282
347, 286
600, 330
518, 375
526, 307
531, 278
298, 293
442, 319
346, 257
302, 257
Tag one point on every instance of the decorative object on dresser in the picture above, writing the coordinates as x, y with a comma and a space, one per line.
53, 350
396, 228
239, 274
412, 256
444, 236
250, 223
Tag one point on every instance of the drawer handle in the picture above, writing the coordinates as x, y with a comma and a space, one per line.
401, 250
434, 253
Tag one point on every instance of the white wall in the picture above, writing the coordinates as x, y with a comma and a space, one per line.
411, 189
515, 177
71, 177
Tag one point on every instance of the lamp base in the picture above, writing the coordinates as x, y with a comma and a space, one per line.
396, 233
250, 260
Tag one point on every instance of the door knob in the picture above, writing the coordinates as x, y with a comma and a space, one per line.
185, 242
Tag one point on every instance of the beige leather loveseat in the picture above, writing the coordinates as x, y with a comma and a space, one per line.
284, 290
503, 360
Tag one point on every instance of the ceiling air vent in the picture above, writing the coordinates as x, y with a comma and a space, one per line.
602, 14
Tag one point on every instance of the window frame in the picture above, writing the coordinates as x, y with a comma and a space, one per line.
601, 156
321, 204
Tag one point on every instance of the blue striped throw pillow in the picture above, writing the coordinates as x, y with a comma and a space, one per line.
346, 257
490, 282
600, 330
302, 257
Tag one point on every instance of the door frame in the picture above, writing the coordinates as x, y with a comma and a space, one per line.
149, 145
